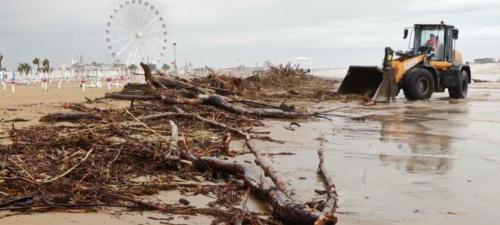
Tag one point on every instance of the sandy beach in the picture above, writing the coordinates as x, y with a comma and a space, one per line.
440, 154
31, 102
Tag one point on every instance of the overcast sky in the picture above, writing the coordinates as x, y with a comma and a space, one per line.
221, 32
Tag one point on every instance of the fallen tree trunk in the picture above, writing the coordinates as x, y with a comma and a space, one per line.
182, 101
255, 104
268, 168
220, 91
166, 81
213, 100
69, 117
279, 204
219, 102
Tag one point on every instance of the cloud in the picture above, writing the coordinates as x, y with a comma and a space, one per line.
225, 33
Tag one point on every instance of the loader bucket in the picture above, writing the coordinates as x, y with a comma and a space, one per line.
362, 80
369, 81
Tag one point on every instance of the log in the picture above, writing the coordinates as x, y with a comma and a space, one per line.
69, 117
208, 98
330, 208
119, 96
255, 104
219, 102
213, 100
480, 81
181, 101
12, 201
268, 168
168, 82
281, 206
16, 120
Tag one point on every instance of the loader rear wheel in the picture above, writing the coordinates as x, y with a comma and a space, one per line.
419, 85
460, 91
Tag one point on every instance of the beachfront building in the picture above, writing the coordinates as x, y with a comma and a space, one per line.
97, 71
484, 60
76, 72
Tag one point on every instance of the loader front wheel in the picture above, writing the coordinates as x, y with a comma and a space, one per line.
460, 91
419, 85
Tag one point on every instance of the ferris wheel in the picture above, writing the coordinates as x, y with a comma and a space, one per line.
136, 32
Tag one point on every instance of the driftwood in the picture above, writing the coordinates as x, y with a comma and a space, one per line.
330, 208
269, 170
277, 201
16, 120
281, 206
214, 100
278, 196
182, 101
208, 97
211, 122
118, 96
219, 102
149, 128
69, 117
261, 161
69, 170
256, 104
133, 151
205, 96
181, 113
165, 81
480, 81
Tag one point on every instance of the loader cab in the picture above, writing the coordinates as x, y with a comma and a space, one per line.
437, 39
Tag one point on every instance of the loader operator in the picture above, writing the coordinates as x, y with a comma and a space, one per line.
432, 42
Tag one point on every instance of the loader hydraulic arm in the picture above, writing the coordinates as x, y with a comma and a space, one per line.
380, 85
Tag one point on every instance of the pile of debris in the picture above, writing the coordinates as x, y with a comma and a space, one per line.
277, 83
174, 130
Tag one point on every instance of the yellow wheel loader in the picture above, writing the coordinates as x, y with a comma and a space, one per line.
432, 65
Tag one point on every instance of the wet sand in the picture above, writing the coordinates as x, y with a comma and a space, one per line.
433, 162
